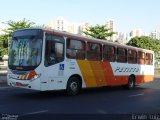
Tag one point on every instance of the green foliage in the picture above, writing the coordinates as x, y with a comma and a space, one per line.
15, 25
3, 45
100, 32
146, 43
41, 26
12, 26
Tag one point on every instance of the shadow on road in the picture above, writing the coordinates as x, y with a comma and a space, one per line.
39, 94
29, 94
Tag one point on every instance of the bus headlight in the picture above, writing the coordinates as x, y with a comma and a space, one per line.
36, 77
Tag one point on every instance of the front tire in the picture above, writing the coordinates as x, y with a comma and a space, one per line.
131, 82
73, 86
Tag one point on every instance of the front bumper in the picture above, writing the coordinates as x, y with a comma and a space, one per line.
27, 84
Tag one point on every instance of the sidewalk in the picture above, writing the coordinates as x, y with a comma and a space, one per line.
3, 74
1, 63
3, 68
3, 78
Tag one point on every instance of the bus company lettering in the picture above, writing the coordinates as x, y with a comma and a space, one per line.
126, 69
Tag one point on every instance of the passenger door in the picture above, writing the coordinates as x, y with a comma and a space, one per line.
54, 57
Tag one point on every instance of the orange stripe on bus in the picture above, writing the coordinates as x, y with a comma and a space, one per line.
87, 73
107, 70
144, 78
98, 72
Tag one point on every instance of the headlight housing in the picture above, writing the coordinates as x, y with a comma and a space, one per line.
36, 77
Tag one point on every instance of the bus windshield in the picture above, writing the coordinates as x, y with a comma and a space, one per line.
25, 52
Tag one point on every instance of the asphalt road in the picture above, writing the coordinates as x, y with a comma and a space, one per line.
106, 102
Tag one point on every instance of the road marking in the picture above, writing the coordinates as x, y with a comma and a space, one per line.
36, 112
136, 95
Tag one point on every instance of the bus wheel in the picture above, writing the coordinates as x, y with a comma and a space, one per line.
131, 82
73, 86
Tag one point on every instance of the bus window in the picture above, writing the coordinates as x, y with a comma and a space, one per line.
149, 59
132, 56
108, 53
93, 51
54, 50
75, 49
121, 55
141, 57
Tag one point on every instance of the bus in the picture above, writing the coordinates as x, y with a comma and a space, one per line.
46, 59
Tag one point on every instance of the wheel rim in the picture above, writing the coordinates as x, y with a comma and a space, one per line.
131, 84
74, 86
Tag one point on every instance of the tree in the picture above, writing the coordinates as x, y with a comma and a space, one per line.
41, 26
15, 25
12, 26
146, 43
3, 45
98, 31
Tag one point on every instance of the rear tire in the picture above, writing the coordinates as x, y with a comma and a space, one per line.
73, 86
131, 82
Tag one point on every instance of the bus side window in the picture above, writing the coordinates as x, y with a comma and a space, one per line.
132, 56
59, 48
94, 51
141, 57
75, 49
109, 53
121, 55
49, 55
149, 59
54, 50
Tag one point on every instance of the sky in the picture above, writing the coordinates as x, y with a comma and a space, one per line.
127, 14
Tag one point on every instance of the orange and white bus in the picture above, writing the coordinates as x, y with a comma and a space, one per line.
42, 59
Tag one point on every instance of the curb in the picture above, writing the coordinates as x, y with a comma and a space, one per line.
3, 80
3, 72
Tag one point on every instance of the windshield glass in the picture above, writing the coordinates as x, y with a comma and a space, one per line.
25, 51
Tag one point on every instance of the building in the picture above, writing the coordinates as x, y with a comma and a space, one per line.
123, 38
61, 24
136, 33
111, 25
155, 34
